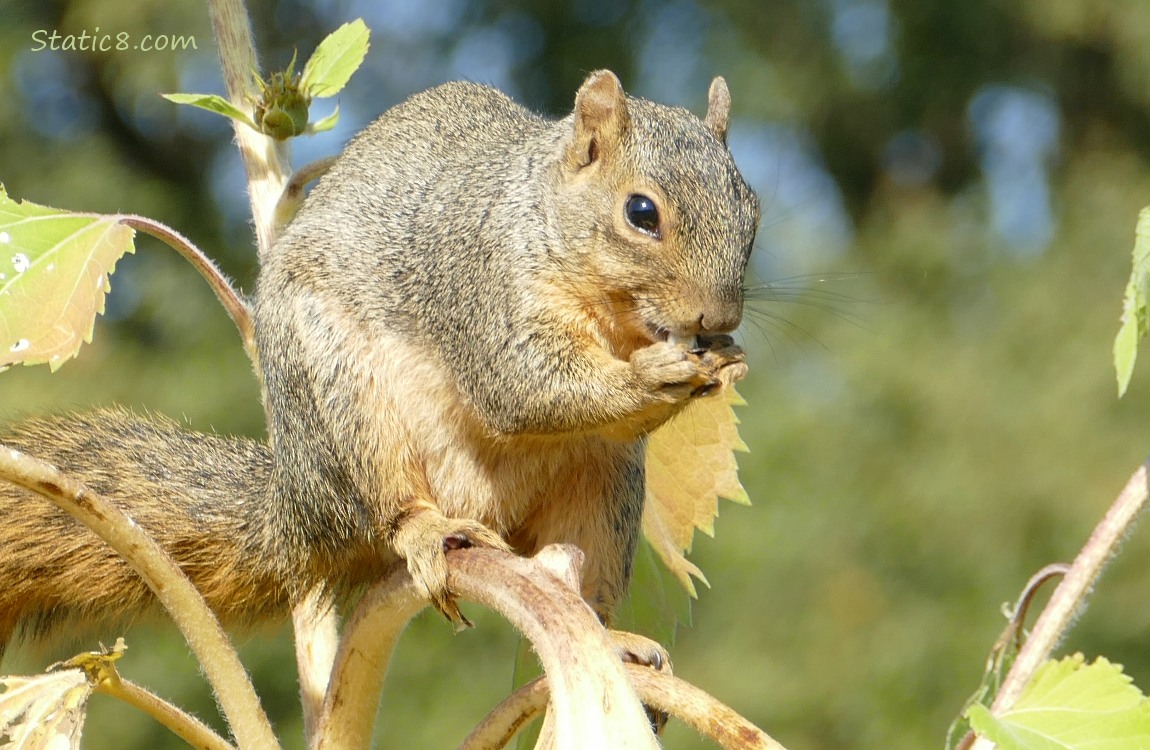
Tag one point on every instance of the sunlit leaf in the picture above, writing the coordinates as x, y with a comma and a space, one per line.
335, 60
1071, 706
690, 465
45, 712
54, 269
1134, 314
212, 103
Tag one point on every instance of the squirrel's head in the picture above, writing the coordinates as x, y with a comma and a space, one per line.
658, 215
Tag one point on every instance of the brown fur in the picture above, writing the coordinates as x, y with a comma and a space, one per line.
54, 571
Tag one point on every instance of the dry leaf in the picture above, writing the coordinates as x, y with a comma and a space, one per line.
47, 712
54, 269
44, 712
690, 465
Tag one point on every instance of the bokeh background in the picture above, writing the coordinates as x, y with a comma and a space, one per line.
949, 194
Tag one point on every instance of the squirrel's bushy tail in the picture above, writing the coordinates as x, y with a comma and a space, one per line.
199, 495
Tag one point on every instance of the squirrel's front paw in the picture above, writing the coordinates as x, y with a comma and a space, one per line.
723, 357
675, 373
671, 372
424, 540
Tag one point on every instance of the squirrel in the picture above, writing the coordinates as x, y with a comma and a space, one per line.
465, 336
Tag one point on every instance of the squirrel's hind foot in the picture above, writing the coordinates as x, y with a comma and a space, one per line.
637, 649
424, 539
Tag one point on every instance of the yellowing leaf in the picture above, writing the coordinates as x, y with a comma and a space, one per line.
54, 268
1070, 705
45, 712
690, 465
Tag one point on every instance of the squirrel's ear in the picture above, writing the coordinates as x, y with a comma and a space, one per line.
718, 108
600, 118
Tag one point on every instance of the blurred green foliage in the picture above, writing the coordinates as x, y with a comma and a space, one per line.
952, 189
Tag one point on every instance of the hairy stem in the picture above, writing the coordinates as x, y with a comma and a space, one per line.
185, 726
266, 160
267, 164
234, 693
1070, 596
231, 299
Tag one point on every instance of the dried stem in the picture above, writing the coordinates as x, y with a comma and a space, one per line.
658, 690
1070, 596
508, 718
370, 635
592, 702
231, 299
316, 629
706, 715
221, 666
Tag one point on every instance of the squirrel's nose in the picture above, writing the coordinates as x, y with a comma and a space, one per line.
721, 317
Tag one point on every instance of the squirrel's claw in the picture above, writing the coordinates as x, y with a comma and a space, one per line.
638, 649
424, 540
641, 650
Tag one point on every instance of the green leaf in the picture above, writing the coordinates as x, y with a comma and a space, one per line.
212, 103
1134, 313
1071, 706
54, 269
334, 60
656, 602
326, 123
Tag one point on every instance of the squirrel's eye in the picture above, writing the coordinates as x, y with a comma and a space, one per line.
642, 214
